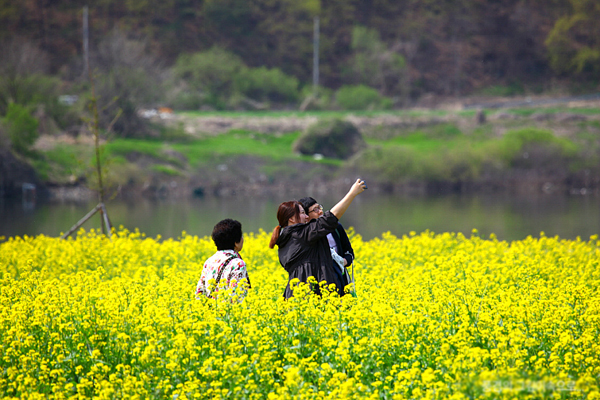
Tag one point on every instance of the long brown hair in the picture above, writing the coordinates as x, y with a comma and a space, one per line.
286, 210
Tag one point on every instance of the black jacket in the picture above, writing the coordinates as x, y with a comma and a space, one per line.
304, 251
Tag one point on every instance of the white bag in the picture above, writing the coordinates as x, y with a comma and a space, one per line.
339, 260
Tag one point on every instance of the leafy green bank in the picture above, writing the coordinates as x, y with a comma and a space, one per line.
543, 150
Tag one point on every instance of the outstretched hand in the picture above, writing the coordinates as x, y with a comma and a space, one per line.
358, 187
340, 208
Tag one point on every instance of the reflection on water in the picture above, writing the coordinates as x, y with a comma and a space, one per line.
509, 217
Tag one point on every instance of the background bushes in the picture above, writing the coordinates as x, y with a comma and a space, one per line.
208, 76
28, 94
22, 127
218, 78
334, 138
444, 154
361, 97
264, 84
530, 148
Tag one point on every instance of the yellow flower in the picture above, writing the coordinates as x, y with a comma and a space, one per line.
436, 315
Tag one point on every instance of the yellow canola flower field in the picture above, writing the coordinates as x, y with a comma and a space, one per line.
436, 316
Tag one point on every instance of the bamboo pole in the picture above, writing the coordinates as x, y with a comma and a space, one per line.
82, 221
106, 220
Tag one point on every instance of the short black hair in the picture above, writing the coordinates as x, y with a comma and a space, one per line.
227, 233
306, 203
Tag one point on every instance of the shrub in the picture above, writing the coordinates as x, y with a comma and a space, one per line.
535, 148
392, 164
35, 91
361, 97
403, 163
457, 165
212, 71
332, 138
266, 84
22, 127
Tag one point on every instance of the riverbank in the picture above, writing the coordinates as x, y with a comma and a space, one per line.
175, 190
416, 152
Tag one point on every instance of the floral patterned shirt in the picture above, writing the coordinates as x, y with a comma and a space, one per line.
233, 273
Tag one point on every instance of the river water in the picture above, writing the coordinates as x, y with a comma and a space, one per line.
508, 217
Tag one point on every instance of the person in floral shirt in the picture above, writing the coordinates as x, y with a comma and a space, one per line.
225, 269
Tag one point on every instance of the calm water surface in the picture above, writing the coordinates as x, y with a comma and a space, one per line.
508, 217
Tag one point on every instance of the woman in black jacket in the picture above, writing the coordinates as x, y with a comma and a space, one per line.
338, 239
303, 247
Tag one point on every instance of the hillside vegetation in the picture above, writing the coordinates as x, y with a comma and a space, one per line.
258, 55
408, 47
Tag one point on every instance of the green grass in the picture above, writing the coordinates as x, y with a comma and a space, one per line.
238, 143
275, 148
431, 140
165, 169
526, 112
65, 155
125, 146
62, 161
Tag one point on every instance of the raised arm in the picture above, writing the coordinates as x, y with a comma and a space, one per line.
340, 208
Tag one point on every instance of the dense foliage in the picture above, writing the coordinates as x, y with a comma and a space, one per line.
447, 47
22, 127
437, 316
